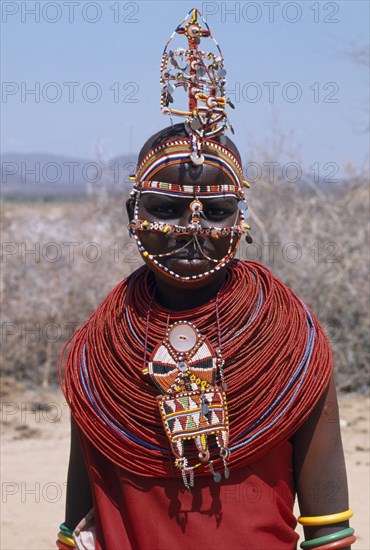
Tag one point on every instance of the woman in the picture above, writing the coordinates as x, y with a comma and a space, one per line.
201, 389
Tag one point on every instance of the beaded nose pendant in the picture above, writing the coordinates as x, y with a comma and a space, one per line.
184, 366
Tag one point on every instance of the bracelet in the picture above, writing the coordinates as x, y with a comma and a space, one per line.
67, 540
325, 520
309, 544
66, 530
338, 544
61, 545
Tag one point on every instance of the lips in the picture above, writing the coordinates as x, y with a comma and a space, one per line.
188, 256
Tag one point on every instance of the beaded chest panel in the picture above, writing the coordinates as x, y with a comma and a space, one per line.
190, 414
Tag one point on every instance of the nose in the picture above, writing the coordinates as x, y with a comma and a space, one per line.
185, 221
181, 240
193, 213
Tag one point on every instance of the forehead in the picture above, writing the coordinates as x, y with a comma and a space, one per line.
187, 174
150, 199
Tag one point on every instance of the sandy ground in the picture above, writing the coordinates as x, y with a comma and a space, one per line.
34, 453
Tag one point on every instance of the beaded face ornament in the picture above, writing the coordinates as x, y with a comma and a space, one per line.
201, 74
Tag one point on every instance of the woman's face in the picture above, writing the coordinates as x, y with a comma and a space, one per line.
218, 212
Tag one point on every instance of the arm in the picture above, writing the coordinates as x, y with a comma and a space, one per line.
319, 465
79, 500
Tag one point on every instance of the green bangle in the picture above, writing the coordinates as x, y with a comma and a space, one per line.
66, 530
307, 544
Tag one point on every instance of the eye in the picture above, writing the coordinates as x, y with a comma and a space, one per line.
166, 210
217, 212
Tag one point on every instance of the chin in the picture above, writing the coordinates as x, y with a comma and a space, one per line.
186, 268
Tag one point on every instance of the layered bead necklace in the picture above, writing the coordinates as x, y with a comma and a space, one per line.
275, 357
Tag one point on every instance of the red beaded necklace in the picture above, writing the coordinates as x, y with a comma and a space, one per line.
277, 364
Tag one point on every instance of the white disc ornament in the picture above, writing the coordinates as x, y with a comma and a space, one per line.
182, 337
197, 160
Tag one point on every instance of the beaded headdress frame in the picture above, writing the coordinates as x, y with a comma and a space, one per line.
201, 74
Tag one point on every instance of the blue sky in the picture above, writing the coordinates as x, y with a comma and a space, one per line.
111, 50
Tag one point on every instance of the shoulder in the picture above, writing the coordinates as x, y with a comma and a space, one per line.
284, 307
271, 284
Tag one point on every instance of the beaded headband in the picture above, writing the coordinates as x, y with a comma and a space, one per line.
177, 152
203, 78
162, 187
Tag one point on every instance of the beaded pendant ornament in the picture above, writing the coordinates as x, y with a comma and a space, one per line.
184, 366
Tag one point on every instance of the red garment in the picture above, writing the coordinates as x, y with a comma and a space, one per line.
252, 510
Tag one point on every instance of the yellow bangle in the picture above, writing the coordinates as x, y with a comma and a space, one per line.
67, 540
325, 520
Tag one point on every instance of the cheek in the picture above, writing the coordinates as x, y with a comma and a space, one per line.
155, 243
221, 246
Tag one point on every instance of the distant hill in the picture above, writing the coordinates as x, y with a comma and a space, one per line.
43, 175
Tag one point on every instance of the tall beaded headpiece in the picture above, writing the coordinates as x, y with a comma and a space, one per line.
201, 74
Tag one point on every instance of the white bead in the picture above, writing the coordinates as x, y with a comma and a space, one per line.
197, 160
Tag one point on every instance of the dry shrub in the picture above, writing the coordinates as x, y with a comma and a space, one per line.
82, 251
320, 251
44, 300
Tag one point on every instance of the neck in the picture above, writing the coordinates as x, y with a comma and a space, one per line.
188, 296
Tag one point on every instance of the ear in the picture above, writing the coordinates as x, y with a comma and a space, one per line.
130, 203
